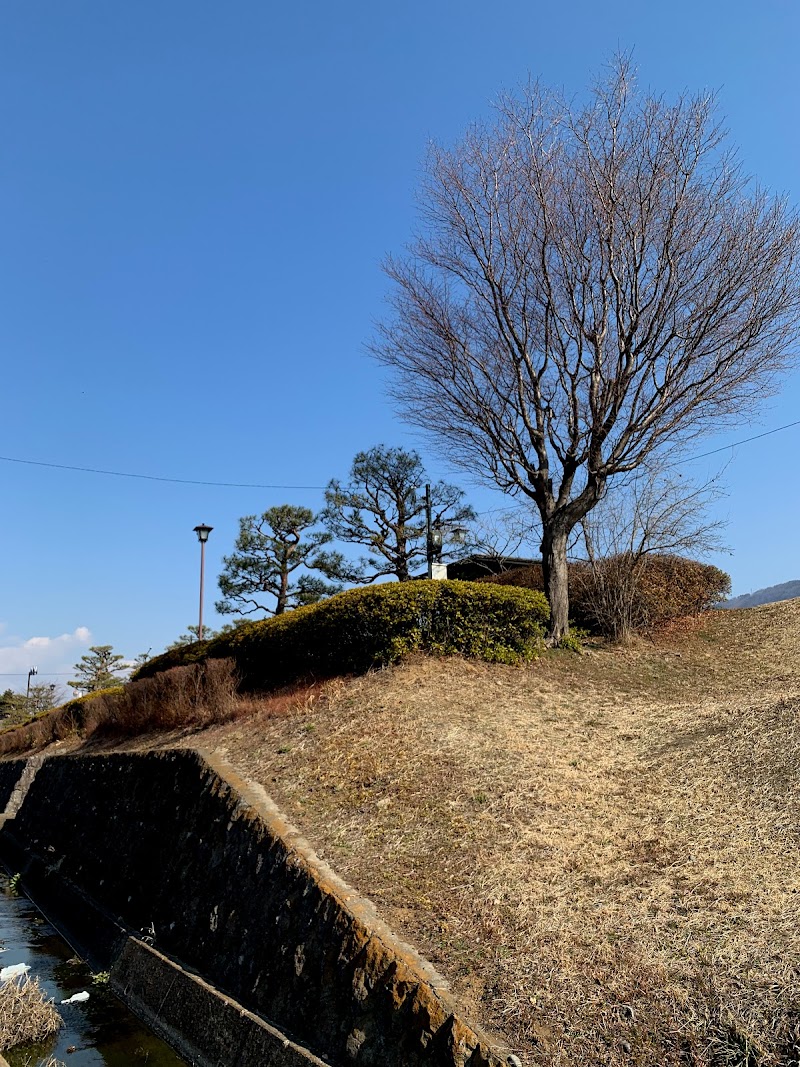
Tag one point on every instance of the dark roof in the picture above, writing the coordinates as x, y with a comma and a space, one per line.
479, 565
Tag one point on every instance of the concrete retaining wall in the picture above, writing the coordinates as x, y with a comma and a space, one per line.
175, 843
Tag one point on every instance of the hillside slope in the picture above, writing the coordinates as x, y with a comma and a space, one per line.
600, 852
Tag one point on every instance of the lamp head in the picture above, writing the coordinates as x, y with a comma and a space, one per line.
202, 533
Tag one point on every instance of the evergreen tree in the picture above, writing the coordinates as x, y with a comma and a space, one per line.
99, 669
382, 508
269, 550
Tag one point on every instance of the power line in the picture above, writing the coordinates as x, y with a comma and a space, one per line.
260, 485
153, 477
744, 441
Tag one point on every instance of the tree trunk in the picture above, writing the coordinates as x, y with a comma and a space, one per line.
401, 552
554, 573
283, 593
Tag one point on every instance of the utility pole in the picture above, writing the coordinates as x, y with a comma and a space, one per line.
428, 531
31, 672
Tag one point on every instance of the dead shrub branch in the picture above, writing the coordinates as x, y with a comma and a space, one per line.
26, 1014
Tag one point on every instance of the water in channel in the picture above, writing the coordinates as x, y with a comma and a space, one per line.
98, 1031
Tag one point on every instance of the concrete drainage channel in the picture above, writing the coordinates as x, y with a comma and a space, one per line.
97, 1027
153, 988
218, 925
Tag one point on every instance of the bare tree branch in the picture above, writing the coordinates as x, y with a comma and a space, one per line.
655, 513
497, 538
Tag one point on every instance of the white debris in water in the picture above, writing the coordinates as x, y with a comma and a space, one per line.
7, 974
78, 998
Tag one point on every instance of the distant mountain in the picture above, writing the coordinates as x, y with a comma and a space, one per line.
773, 593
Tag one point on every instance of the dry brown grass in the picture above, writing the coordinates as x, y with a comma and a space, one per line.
26, 1015
35, 1061
600, 852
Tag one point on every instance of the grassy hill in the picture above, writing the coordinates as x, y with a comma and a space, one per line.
600, 852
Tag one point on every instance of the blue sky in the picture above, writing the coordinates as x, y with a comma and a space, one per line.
195, 202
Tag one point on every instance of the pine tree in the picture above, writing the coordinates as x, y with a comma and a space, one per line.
269, 550
99, 669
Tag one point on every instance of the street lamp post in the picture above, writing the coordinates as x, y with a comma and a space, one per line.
434, 541
202, 532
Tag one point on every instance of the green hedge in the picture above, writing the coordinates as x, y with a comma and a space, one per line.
372, 627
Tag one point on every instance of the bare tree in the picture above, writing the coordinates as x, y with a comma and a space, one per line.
654, 512
594, 282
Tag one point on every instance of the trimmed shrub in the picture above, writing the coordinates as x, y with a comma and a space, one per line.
176, 656
372, 627
674, 586
530, 577
178, 698
189, 697
620, 593
54, 725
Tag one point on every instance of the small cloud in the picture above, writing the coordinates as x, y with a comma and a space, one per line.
38, 642
51, 656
